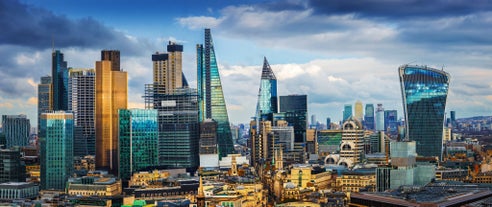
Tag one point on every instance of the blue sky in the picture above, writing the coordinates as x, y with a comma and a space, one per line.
334, 51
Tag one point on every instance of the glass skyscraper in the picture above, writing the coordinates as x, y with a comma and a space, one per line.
380, 118
424, 93
45, 95
16, 129
59, 73
56, 138
210, 95
369, 117
294, 111
81, 102
391, 121
267, 95
347, 111
138, 140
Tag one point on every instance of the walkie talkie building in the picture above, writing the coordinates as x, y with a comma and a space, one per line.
424, 93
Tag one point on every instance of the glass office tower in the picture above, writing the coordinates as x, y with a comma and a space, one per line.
56, 138
45, 97
267, 95
138, 140
347, 111
16, 129
59, 74
369, 117
424, 93
211, 97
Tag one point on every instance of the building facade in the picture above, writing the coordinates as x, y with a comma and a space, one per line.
56, 137
347, 112
210, 95
267, 95
359, 111
59, 75
369, 117
380, 118
352, 145
424, 93
138, 141
12, 168
45, 96
16, 129
81, 101
111, 95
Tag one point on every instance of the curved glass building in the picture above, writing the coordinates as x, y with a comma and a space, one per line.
267, 95
424, 92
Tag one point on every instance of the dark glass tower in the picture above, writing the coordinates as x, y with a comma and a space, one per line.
210, 95
347, 111
369, 117
294, 108
391, 121
424, 92
45, 94
267, 95
59, 73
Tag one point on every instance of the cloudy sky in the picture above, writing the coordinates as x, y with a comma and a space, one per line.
334, 51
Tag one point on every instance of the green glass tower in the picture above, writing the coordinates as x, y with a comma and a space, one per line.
138, 140
211, 97
56, 137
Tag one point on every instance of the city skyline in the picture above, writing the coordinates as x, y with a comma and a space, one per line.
335, 52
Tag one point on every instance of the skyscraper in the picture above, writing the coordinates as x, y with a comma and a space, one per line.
45, 96
347, 111
352, 145
453, 119
328, 123
211, 97
380, 118
56, 138
114, 57
209, 156
81, 102
295, 112
168, 68
358, 111
424, 93
369, 117
59, 74
138, 140
111, 95
391, 121
267, 95
16, 129
12, 168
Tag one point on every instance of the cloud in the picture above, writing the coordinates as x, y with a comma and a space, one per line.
25, 25
199, 22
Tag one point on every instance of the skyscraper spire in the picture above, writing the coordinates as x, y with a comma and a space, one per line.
267, 94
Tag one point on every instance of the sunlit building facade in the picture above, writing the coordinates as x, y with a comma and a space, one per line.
111, 95
167, 68
56, 137
138, 140
210, 95
81, 101
424, 93
358, 111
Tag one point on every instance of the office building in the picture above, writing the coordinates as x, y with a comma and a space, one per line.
11, 191
45, 96
294, 111
138, 141
380, 118
167, 68
178, 127
424, 93
328, 123
209, 155
352, 145
369, 117
56, 137
114, 57
267, 95
347, 111
391, 121
453, 119
16, 129
94, 187
12, 168
329, 141
81, 101
358, 111
59, 74
111, 95
210, 95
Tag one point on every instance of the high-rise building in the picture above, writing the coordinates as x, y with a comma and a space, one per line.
211, 97
352, 145
12, 168
16, 129
347, 111
359, 111
56, 137
111, 95
391, 121
59, 74
369, 117
81, 102
267, 95
424, 93
453, 118
168, 68
328, 123
114, 57
294, 108
380, 118
178, 127
209, 155
138, 141
45, 96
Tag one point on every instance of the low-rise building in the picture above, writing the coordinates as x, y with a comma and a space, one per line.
94, 186
18, 190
